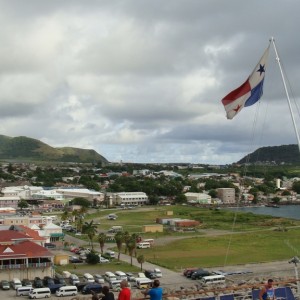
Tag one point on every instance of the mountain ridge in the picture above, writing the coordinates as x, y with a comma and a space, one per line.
25, 148
279, 154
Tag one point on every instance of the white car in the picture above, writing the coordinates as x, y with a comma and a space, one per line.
99, 278
103, 260
158, 273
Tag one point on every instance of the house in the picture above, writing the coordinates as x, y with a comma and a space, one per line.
21, 257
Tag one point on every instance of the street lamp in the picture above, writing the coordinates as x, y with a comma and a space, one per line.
295, 260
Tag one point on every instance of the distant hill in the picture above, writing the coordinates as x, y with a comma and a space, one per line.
24, 148
279, 154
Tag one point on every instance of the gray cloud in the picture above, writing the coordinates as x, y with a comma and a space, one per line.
143, 80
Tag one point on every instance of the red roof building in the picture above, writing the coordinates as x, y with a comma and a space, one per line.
22, 257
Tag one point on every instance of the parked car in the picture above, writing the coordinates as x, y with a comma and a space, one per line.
26, 282
150, 274
130, 276
37, 282
189, 273
59, 279
55, 287
80, 286
5, 285
99, 278
48, 281
75, 259
74, 279
199, 274
110, 254
189, 270
158, 273
50, 245
103, 260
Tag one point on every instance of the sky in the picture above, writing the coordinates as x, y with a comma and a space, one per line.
142, 81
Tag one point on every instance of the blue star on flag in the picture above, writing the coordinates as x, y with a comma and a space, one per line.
261, 69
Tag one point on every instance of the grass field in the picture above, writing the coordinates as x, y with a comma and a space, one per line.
260, 246
253, 238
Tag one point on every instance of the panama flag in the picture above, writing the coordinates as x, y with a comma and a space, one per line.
249, 92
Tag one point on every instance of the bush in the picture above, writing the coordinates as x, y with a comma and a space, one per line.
92, 258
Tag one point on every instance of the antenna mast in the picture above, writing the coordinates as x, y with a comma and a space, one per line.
286, 91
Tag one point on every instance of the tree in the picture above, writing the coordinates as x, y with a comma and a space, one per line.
141, 260
181, 198
92, 258
65, 215
213, 193
131, 246
102, 238
22, 204
81, 201
119, 238
90, 229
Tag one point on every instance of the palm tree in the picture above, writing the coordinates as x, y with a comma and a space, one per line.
75, 214
141, 260
119, 238
90, 229
131, 246
102, 237
126, 239
79, 224
65, 215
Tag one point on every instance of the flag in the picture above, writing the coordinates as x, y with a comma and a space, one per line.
249, 92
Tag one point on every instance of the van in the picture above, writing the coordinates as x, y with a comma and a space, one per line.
23, 290
213, 279
120, 275
39, 293
69, 290
143, 283
16, 283
95, 287
143, 245
151, 241
109, 276
88, 277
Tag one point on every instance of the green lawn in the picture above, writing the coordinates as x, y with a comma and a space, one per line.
253, 239
244, 248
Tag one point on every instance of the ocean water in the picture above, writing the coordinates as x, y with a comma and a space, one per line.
285, 211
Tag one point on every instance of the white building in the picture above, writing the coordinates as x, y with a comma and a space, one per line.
199, 198
24, 192
128, 199
46, 194
84, 193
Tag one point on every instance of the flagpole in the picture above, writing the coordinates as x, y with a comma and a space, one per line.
286, 91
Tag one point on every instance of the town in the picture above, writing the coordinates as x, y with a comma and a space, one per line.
44, 209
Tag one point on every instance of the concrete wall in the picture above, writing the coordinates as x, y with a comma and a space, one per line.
25, 273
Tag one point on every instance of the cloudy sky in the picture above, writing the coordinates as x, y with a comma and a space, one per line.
142, 81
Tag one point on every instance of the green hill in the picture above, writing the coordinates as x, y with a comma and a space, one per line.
25, 149
288, 154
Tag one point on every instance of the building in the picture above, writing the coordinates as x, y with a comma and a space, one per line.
198, 198
21, 256
48, 194
9, 201
24, 192
153, 228
92, 196
127, 199
227, 195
